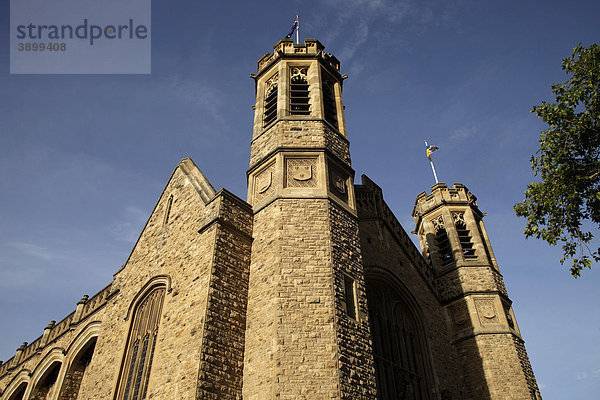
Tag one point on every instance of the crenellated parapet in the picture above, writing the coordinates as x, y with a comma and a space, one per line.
85, 308
286, 48
442, 195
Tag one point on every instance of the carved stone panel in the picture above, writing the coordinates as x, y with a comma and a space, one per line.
486, 311
264, 185
459, 312
338, 183
301, 172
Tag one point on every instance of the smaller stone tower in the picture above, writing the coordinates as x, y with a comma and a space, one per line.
485, 332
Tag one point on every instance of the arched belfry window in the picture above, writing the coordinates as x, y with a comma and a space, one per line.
329, 106
442, 240
271, 87
137, 362
464, 235
401, 358
299, 91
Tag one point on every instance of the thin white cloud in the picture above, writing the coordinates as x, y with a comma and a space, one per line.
128, 227
35, 250
198, 93
464, 133
360, 37
583, 375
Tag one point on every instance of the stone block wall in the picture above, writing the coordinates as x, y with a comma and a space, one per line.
291, 347
357, 370
291, 134
503, 373
384, 251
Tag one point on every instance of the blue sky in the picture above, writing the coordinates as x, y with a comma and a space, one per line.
83, 158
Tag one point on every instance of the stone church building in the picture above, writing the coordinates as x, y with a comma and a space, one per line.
309, 289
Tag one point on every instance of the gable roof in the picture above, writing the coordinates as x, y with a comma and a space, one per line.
202, 186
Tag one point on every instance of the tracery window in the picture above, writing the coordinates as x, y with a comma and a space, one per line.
137, 363
401, 358
299, 91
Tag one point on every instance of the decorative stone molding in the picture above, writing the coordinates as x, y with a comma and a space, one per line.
460, 315
299, 74
458, 218
271, 84
438, 223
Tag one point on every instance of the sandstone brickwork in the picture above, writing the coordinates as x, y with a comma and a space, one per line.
311, 289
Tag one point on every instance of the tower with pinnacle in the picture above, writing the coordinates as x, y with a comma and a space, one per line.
471, 289
307, 334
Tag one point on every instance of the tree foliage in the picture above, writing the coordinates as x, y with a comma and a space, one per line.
564, 206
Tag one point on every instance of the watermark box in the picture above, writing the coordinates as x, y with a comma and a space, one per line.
80, 36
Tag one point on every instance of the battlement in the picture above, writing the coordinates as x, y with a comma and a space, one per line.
85, 307
371, 205
286, 48
441, 195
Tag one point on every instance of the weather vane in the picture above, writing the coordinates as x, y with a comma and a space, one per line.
431, 149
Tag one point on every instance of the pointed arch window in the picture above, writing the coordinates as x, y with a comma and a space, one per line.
47, 384
74, 377
137, 363
442, 240
19, 394
401, 358
464, 235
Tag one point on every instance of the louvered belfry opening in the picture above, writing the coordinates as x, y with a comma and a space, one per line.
464, 235
299, 91
443, 244
442, 240
271, 100
329, 107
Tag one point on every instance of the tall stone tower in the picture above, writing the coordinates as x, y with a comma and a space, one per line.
307, 334
485, 332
